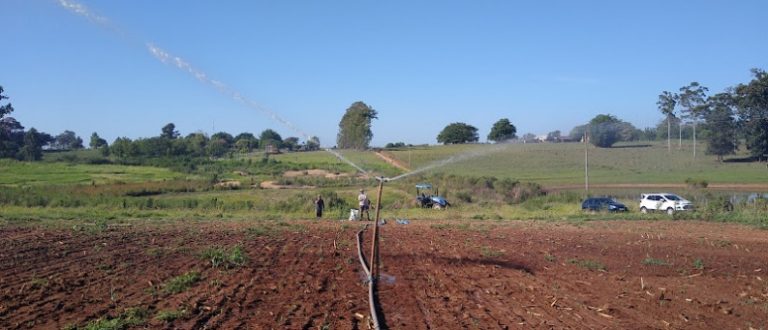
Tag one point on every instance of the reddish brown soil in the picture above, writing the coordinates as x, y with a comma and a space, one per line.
435, 275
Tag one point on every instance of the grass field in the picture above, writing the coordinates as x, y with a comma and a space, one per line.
563, 163
25, 173
477, 186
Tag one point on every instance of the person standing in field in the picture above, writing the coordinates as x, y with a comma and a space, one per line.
364, 204
319, 206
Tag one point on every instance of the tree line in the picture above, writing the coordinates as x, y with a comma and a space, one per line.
28, 145
723, 120
726, 118
740, 113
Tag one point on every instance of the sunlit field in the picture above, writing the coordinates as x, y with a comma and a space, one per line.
564, 163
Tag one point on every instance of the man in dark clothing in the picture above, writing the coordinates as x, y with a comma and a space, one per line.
319, 206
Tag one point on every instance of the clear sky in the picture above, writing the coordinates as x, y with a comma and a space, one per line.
545, 65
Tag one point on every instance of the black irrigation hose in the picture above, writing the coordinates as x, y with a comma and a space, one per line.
371, 280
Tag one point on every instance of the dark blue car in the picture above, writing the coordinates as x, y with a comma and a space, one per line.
602, 204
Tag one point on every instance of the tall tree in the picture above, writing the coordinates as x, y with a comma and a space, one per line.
456, 133
68, 140
752, 103
605, 130
720, 125
246, 142
313, 143
502, 130
666, 103
10, 130
577, 133
169, 131
355, 127
692, 99
269, 137
291, 143
33, 146
554, 136
97, 141
196, 144
4, 109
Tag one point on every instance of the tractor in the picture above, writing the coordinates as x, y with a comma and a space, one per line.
426, 197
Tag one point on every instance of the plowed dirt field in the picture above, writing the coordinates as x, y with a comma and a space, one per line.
435, 275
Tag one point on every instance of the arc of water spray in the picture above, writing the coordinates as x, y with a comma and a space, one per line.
181, 64
456, 158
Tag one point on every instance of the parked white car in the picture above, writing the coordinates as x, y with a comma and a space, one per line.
666, 202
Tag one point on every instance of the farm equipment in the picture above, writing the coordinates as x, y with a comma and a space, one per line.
427, 197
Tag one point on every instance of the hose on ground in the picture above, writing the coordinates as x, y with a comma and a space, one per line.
371, 280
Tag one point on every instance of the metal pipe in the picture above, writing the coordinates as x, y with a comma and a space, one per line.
375, 241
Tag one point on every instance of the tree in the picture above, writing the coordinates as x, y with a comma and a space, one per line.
97, 142
604, 130
666, 103
4, 109
649, 134
720, 126
686, 132
123, 148
246, 142
68, 141
313, 143
530, 138
752, 104
577, 133
10, 130
291, 143
554, 136
225, 138
169, 131
196, 144
502, 130
270, 137
33, 146
457, 133
692, 99
355, 127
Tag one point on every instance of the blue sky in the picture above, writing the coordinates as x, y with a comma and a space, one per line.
545, 65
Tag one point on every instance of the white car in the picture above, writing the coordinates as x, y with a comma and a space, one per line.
666, 202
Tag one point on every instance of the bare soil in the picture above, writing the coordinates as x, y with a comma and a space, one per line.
435, 275
308, 173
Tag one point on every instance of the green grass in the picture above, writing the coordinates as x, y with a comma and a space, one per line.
181, 283
563, 163
16, 173
171, 315
587, 264
131, 317
96, 196
225, 258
